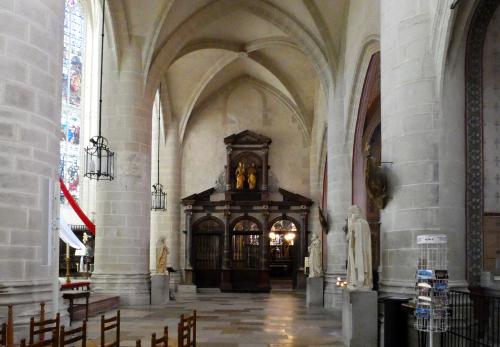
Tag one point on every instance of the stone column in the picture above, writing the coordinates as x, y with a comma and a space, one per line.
123, 205
167, 223
30, 115
410, 140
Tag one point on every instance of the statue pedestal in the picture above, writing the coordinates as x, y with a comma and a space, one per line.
359, 318
314, 292
160, 285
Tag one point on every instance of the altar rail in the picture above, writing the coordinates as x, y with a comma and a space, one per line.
474, 320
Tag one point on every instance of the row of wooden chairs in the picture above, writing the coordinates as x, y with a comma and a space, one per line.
60, 337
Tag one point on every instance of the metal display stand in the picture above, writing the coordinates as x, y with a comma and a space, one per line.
431, 312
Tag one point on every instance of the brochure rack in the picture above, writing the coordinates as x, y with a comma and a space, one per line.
431, 312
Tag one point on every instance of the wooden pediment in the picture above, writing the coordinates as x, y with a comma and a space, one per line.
247, 137
296, 198
203, 196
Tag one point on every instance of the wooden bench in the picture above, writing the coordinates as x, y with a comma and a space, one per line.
72, 296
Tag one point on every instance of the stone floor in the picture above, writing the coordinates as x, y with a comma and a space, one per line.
232, 319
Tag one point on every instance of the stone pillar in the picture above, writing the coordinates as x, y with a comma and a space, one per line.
30, 115
410, 140
123, 205
167, 223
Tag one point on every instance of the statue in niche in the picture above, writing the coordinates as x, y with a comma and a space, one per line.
359, 255
375, 180
240, 176
252, 176
161, 255
315, 267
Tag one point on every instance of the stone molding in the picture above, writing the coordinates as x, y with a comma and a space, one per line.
474, 137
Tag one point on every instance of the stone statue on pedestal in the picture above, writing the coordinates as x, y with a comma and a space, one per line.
359, 255
315, 268
161, 255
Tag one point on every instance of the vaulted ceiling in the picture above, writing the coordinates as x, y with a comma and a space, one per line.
201, 47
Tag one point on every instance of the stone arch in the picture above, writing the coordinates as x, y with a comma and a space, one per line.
261, 85
474, 137
158, 63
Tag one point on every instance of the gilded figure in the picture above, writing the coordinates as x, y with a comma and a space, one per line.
252, 177
240, 176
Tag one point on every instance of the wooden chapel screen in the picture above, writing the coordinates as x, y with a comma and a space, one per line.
207, 243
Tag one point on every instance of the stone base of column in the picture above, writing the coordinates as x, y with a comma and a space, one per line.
333, 294
175, 280
133, 289
160, 286
26, 296
188, 276
359, 318
314, 292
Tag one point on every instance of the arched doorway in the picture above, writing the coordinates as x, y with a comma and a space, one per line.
283, 238
367, 142
246, 236
207, 242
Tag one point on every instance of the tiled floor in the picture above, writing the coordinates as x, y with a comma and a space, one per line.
233, 319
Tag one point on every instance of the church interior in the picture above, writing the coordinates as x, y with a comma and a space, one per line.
249, 173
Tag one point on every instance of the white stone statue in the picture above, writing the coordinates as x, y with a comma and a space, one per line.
161, 255
315, 268
359, 257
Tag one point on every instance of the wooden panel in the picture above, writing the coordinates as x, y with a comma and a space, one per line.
491, 240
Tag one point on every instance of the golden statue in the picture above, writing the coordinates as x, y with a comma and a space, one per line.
240, 176
161, 255
252, 177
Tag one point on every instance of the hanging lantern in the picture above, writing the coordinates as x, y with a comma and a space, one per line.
99, 159
158, 196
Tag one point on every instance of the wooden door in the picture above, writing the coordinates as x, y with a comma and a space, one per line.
207, 259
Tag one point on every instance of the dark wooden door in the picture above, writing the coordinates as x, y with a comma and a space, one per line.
207, 259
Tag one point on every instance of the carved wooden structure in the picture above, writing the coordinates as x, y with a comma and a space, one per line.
227, 233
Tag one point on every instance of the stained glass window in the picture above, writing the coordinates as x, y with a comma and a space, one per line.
74, 40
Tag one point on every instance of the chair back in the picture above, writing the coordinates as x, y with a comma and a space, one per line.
7, 329
186, 333
39, 328
108, 324
53, 342
160, 342
3, 334
69, 337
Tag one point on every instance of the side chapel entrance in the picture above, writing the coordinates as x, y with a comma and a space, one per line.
240, 242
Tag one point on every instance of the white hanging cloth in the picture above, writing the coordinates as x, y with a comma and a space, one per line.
67, 235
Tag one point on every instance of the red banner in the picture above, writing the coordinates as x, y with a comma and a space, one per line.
76, 208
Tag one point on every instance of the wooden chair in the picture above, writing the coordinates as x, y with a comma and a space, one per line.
71, 336
160, 342
53, 341
7, 329
3, 335
108, 324
39, 328
186, 331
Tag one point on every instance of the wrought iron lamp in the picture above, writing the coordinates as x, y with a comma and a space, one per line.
99, 159
158, 196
